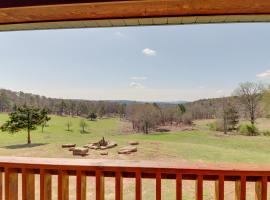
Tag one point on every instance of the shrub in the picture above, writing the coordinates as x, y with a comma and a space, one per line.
248, 129
266, 133
187, 119
212, 126
216, 126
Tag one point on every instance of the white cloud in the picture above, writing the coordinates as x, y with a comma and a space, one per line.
201, 87
264, 74
138, 78
149, 52
220, 91
119, 34
136, 85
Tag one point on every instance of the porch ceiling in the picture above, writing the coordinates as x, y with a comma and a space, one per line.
56, 14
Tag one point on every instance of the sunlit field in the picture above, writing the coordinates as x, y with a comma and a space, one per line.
199, 145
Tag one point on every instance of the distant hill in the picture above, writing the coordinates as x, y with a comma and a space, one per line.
9, 100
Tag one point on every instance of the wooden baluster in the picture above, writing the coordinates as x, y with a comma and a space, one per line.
118, 186
11, 184
158, 186
240, 188
219, 188
1, 185
28, 185
45, 185
99, 185
199, 187
138, 189
81, 185
261, 189
178, 186
63, 185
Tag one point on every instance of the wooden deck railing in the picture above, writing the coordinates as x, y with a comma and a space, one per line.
11, 167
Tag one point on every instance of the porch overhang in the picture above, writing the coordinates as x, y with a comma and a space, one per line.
56, 14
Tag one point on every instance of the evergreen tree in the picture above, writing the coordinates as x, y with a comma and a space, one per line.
25, 117
44, 118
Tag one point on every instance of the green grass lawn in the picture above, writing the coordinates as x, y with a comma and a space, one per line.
198, 145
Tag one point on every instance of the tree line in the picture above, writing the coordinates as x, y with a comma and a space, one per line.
248, 101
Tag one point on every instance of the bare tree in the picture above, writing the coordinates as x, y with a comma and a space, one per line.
83, 126
68, 124
250, 94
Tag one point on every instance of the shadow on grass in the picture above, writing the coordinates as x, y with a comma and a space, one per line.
85, 132
22, 146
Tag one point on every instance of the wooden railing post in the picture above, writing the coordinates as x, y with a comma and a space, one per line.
1, 185
81, 185
45, 185
11, 184
179, 186
138, 189
28, 185
219, 188
158, 186
240, 188
199, 187
63, 185
99, 185
261, 188
118, 186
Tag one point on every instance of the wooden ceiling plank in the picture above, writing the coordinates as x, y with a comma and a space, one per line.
131, 12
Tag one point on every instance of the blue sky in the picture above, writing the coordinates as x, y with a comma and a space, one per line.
158, 63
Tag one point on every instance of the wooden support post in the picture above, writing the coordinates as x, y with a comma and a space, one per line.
63, 186
118, 186
11, 184
99, 185
28, 185
179, 186
1, 185
219, 188
158, 186
45, 185
81, 185
240, 188
138, 188
261, 188
199, 187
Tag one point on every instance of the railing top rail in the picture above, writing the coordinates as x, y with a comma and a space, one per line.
129, 165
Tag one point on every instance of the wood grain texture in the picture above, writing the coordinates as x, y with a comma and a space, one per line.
45, 185
27, 11
100, 185
63, 185
138, 185
240, 188
199, 187
28, 185
219, 188
118, 186
81, 185
178, 186
1, 185
119, 169
11, 184
158, 186
261, 189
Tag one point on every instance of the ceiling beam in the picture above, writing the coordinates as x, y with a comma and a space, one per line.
17, 13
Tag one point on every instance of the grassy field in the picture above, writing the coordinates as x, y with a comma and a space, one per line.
200, 145
197, 145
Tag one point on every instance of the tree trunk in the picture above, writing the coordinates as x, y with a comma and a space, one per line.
28, 137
